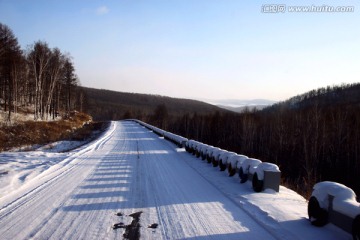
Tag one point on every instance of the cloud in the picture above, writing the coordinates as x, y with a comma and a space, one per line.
102, 10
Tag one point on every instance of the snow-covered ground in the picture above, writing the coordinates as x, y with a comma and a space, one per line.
81, 194
19, 166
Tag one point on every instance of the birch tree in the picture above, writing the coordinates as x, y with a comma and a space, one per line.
39, 57
55, 68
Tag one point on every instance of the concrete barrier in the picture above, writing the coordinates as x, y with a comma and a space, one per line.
263, 175
266, 176
335, 203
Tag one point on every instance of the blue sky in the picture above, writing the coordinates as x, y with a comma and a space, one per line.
202, 49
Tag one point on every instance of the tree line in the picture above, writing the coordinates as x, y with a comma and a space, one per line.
312, 137
39, 76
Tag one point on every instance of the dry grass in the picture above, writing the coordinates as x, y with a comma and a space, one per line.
300, 186
78, 126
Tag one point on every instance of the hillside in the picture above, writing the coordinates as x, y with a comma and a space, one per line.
111, 105
313, 137
26, 134
346, 95
243, 108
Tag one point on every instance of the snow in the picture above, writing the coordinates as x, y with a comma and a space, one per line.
17, 167
215, 152
249, 165
225, 157
221, 155
209, 150
131, 169
15, 117
203, 148
237, 160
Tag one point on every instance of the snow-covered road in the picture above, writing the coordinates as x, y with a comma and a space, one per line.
132, 170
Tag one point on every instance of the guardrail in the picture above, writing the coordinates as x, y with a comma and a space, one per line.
335, 203
178, 140
266, 176
329, 202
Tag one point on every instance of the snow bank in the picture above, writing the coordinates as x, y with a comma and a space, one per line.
61, 146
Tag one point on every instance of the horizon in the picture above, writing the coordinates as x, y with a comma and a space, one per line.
202, 50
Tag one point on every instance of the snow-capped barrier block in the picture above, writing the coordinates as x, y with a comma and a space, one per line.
335, 203
178, 140
234, 162
223, 160
266, 176
188, 146
247, 169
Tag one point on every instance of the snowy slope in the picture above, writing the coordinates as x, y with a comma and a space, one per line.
130, 170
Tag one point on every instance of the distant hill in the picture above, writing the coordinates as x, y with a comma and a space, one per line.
242, 109
240, 102
239, 105
111, 105
346, 95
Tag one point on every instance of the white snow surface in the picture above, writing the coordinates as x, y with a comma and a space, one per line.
249, 165
237, 160
76, 195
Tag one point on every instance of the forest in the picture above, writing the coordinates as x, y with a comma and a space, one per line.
312, 137
105, 104
39, 77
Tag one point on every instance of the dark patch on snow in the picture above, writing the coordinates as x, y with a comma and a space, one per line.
119, 225
120, 214
132, 231
4, 173
154, 225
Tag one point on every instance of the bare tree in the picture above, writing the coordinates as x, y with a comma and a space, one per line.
10, 57
39, 56
55, 68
